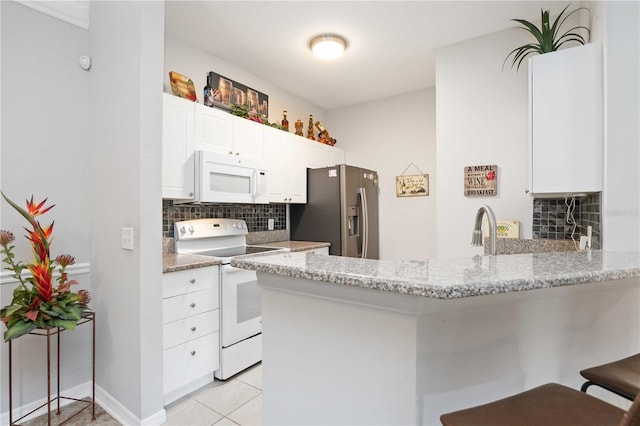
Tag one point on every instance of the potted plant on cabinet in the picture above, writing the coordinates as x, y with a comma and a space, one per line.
548, 37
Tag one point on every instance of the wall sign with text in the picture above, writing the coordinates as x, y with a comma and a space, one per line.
480, 181
412, 185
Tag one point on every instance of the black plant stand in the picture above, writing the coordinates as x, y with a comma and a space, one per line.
87, 316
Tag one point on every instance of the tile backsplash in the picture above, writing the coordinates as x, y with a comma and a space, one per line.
256, 215
550, 218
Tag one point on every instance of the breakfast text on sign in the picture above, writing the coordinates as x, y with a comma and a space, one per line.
481, 180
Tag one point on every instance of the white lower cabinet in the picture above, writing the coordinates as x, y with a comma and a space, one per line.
321, 250
190, 330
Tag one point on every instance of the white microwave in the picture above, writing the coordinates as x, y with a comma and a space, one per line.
225, 178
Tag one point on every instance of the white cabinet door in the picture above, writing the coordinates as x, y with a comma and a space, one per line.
285, 161
320, 155
317, 155
566, 139
213, 129
190, 361
248, 138
296, 169
336, 156
177, 148
274, 163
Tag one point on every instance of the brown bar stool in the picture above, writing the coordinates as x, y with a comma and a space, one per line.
547, 405
621, 377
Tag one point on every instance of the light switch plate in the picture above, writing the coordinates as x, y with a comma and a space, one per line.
127, 238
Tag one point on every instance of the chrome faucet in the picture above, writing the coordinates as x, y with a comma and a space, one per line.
476, 240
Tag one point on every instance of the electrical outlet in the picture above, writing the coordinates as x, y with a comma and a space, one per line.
271, 224
127, 238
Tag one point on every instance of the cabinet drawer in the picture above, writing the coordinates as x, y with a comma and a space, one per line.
180, 282
193, 327
185, 305
190, 361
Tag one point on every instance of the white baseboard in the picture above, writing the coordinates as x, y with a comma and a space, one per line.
122, 414
81, 391
104, 399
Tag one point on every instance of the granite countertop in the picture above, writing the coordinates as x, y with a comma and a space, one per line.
295, 246
172, 262
453, 278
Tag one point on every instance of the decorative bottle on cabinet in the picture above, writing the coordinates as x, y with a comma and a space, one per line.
208, 93
310, 130
285, 122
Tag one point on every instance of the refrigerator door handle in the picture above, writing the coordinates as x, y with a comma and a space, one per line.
365, 221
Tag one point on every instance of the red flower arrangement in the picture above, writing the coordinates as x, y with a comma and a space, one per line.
36, 302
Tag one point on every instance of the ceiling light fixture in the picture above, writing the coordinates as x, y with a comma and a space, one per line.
327, 46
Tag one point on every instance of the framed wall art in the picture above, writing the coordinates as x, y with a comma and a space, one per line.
227, 92
412, 185
481, 181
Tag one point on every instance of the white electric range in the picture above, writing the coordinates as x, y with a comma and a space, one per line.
240, 304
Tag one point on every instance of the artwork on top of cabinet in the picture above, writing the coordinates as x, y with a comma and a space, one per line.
227, 92
299, 126
481, 180
182, 86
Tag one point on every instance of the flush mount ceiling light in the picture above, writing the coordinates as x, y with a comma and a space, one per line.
327, 46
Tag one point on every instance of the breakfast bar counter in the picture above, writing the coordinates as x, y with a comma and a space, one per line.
357, 341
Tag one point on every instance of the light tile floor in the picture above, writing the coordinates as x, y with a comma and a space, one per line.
236, 401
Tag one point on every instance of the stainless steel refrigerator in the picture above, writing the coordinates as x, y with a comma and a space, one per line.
342, 209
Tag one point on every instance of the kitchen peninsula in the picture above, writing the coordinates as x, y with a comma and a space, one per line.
357, 341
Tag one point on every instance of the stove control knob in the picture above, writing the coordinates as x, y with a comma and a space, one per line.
191, 230
182, 231
234, 226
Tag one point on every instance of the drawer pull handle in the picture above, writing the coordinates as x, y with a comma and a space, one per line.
193, 353
193, 305
193, 328
192, 280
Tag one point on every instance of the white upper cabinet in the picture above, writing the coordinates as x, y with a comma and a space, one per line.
177, 148
284, 156
285, 162
213, 129
219, 131
247, 138
566, 121
320, 155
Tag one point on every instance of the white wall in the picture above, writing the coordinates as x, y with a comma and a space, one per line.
481, 116
125, 157
186, 59
388, 135
44, 152
618, 26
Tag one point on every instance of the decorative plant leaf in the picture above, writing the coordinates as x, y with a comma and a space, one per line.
18, 329
64, 323
546, 36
